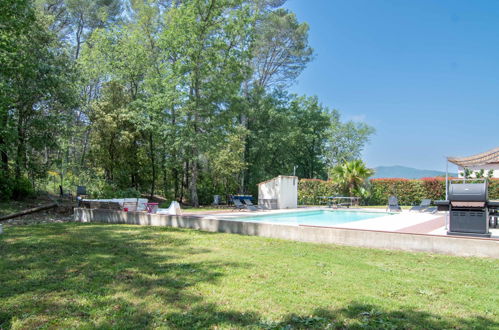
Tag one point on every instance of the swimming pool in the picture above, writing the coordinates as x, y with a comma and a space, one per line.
312, 218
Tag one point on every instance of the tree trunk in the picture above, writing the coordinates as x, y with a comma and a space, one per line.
153, 163
85, 143
28, 211
4, 157
193, 184
20, 146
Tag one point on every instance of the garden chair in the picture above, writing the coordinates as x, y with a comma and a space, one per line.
432, 209
240, 206
248, 202
393, 204
425, 203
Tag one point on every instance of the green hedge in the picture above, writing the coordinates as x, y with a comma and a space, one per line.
408, 192
310, 190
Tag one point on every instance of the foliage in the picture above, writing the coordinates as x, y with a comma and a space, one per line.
180, 98
346, 141
281, 50
75, 275
109, 191
494, 189
39, 79
310, 191
408, 192
413, 191
351, 177
480, 174
287, 131
467, 173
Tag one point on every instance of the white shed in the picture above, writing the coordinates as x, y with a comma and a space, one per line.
279, 193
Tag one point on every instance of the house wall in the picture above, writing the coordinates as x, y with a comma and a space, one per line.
486, 168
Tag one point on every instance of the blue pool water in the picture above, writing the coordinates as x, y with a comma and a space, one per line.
312, 218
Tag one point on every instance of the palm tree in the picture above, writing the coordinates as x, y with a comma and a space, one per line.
351, 176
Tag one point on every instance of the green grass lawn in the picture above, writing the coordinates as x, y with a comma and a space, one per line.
122, 276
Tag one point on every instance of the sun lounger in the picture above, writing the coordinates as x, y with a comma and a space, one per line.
248, 202
425, 203
240, 206
432, 209
393, 204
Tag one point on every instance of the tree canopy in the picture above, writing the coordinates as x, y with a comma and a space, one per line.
185, 99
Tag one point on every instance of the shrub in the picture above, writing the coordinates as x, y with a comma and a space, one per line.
110, 191
309, 190
408, 192
434, 188
6, 187
22, 189
494, 189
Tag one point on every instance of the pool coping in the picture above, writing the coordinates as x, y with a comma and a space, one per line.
450, 245
241, 216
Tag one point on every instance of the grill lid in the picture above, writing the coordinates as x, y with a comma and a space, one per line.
468, 192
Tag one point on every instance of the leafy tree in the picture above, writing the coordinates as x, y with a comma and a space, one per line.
281, 50
74, 20
311, 123
184, 98
39, 81
346, 140
351, 176
211, 58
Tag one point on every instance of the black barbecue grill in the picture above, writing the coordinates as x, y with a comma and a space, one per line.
468, 207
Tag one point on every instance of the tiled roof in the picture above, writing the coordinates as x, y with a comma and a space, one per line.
485, 158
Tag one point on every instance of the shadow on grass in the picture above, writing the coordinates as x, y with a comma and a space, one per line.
109, 276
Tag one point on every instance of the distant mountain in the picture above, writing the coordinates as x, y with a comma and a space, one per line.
406, 172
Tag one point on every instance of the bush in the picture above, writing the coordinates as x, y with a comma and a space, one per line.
6, 187
408, 192
494, 189
309, 190
110, 191
22, 189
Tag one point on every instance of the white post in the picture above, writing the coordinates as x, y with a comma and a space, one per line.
446, 191
446, 178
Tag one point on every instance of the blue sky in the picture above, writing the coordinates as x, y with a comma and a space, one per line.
424, 73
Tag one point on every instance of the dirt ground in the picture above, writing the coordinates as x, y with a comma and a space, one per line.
63, 213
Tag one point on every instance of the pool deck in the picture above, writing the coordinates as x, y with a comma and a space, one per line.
411, 222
